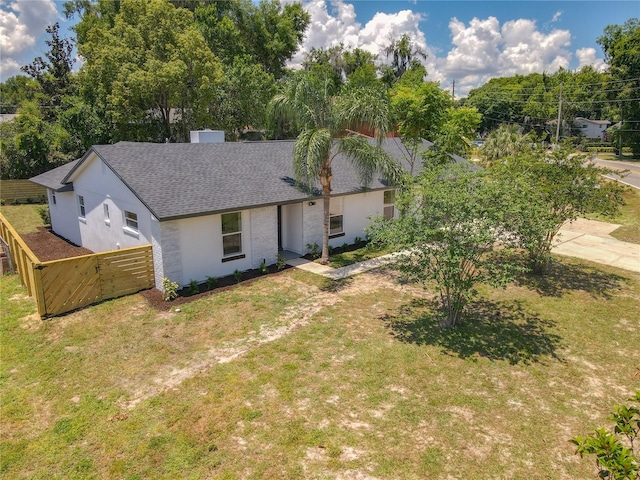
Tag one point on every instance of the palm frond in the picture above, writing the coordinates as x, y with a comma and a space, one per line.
369, 159
311, 154
364, 107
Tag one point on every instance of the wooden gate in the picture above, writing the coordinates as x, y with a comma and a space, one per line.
60, 286
72, 283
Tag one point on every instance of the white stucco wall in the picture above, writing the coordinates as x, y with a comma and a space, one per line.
64, 218
98, 185
357, 210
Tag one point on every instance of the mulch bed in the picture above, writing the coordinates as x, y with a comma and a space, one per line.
49, 246
153, 296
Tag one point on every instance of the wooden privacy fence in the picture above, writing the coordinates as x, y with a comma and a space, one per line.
21, 191
60, 286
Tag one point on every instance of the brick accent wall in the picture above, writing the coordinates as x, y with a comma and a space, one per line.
264, 235
167, 261
312, 223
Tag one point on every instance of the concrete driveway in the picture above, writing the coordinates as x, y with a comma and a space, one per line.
591, 240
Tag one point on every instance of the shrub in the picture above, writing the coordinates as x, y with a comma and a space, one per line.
45, 214
169, 289
281, 263
263, 267
617, 457
314, 250
357, 241
212, 282
237, 274
193, 287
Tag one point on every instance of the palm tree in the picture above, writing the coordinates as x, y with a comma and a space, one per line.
324, 118
505, 141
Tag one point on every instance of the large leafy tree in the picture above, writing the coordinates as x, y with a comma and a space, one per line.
30, 144
324, 119
53, 73
268, 32
402, 53
148, 69
449, 234
621, 47
16, 90
549, 189
419, 110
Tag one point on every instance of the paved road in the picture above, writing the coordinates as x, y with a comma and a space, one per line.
632, 178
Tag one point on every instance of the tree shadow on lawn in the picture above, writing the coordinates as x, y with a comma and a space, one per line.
562, 278
494, 330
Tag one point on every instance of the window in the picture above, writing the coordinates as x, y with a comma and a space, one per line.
107, 220
389, 200
131, 220
336, 219
81, 208
231, 233
53, 197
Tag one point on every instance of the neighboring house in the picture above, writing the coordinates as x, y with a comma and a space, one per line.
207, 209
591, 128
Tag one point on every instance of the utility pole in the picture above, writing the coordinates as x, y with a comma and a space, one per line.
559, 116
453, 90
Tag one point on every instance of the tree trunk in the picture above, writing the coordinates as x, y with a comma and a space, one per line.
326, 201
325, 181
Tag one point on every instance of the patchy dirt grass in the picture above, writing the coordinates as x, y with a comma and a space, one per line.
295, 376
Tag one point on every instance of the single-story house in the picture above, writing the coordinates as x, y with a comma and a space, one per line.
591, 128
207, 209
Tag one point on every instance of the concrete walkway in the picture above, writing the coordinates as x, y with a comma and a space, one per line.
591, 240
585, 239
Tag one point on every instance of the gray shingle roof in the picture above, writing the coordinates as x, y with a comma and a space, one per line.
53, 178
182, 180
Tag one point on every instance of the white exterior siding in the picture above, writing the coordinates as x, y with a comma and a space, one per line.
98, 185
356, 210
64, 220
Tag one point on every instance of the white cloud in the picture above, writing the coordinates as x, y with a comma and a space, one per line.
483, 50
21, 23
587, 56
335, 22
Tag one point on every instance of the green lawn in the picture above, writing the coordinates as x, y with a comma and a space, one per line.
625, 157
354, 256
294, 376
24, 217
629, 218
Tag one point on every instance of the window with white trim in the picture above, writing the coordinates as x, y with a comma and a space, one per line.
231, 234
131, 220
389, 207
107, 219
336, 217
81, 210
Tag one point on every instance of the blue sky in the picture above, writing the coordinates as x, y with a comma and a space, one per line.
466, 41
